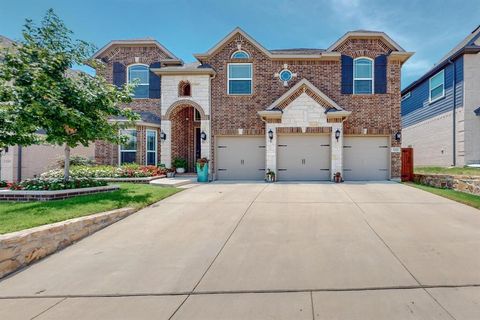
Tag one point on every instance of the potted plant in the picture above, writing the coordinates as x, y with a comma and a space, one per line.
202, 170
338, 177
270, 176
170, 172
180, 164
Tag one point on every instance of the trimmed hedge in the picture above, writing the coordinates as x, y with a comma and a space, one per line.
102, 171
56, 184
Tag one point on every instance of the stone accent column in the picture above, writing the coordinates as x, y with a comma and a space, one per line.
271, 149
205, 144
336, 147
166, 145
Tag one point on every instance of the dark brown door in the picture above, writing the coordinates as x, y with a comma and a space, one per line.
407, 164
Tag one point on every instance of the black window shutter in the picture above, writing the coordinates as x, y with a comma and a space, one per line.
347, 74
381, 74
119, 75
155, 82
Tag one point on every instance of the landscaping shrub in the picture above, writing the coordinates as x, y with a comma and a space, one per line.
102, 171
76, 161
57, 184
3, 183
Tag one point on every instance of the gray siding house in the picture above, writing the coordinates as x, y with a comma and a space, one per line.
441, 110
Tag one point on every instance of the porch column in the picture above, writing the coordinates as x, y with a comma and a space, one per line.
166, 145
271, 149
205, 144
337, 150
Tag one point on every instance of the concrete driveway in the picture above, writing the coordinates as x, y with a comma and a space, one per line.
266, 251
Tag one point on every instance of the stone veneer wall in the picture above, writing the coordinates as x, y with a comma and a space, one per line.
468, 184
19, 249
39, 195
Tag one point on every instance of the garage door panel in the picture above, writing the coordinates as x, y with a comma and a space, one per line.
303, 157
241, 158
366, 158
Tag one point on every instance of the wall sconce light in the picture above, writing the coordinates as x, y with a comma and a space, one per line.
398, 136
163, 136
337, 134
203, 136
270, 134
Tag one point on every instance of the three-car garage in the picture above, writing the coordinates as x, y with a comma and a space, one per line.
302, 157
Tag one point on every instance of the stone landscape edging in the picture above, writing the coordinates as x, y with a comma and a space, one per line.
21, 248
462, 183
46, 195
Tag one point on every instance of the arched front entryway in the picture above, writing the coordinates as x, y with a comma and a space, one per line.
186, 131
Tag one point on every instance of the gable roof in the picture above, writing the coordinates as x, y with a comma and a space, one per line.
477, 111
144, 41
298, 86
359, 34
272, 54
466, 46
5, 42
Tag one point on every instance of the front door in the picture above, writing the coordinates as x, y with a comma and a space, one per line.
198, 147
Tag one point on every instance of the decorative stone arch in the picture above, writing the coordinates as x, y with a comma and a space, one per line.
183, 103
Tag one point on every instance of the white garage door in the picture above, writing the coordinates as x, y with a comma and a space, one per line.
241, 158
366, 158
303, 157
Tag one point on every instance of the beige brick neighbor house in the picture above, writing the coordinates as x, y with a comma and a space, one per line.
304, 114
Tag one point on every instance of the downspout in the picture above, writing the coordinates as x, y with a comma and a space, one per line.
212, 146
454, 116
19, 164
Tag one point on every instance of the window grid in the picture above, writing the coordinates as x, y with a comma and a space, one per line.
142, 73
238, 79
359, 61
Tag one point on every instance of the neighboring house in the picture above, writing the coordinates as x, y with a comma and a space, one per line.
305, 114
441, 110
22, 162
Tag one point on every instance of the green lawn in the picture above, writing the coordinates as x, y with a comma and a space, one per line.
453, 170
462, 197
16, 216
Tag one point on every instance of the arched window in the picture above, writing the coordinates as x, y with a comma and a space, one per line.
363, 76
240, 54
184, 89
138, 74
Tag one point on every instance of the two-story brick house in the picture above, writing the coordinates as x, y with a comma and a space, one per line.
303, 113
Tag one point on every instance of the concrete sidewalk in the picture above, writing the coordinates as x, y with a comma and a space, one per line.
266, 251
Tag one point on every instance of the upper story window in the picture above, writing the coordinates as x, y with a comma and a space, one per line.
184, 89
239, 78
240, 54
139, 74
437, 86
363, 76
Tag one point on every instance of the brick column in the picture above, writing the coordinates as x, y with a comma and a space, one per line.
271, 149
336, 147
205, 144
166, 145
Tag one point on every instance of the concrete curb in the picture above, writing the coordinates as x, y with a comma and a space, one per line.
22, 248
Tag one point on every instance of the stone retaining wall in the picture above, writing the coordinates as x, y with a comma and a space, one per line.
145, 180
468, 184
29, 195
19, 249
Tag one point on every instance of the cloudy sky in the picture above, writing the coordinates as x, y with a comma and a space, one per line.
428, 27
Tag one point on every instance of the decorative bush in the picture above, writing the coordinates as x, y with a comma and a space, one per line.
77, 161
56, 184
125, 171
3, 183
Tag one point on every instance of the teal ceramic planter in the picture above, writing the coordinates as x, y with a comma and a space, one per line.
202, 173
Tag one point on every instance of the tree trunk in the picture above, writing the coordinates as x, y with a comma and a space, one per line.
66, 166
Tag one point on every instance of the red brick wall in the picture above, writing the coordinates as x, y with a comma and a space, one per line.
106, 153
376, 113
183, 135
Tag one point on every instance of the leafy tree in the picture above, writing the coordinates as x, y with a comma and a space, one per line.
38, 90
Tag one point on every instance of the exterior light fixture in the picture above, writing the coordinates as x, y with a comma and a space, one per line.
398, 136
337, 134
203, 136
163, 136
270, 134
